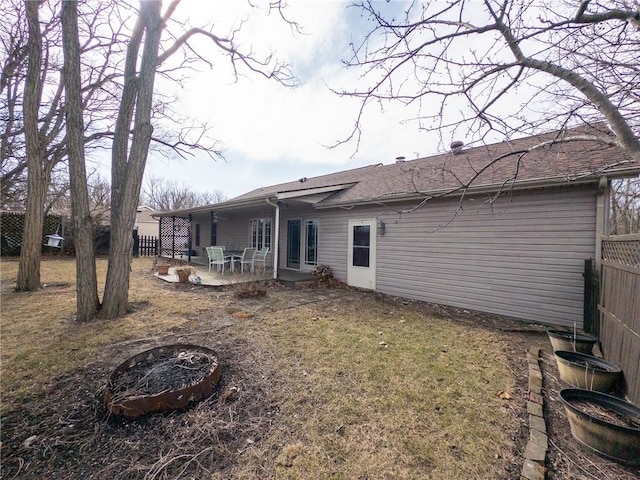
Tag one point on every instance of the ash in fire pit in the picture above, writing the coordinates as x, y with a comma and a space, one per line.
163, 378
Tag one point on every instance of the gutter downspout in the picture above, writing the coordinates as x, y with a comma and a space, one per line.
602, 220
276, 242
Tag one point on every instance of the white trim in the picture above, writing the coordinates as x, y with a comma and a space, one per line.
601, 217
275, 240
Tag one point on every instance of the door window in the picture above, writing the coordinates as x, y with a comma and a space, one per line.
361, 245
294, 230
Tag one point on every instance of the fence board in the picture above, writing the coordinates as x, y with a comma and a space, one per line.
147, 246
619, 307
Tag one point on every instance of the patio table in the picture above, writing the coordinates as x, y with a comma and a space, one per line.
232, 256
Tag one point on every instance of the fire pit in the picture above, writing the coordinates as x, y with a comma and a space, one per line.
162, 378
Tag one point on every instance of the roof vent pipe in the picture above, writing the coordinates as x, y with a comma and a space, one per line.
400, 159
456, 146
303, 179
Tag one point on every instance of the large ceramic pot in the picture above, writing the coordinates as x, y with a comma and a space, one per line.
606, 424
586, 371
571, 341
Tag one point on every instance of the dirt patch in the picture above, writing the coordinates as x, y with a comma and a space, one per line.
68, 431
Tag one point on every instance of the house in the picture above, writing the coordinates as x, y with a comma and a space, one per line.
145, 223
496, 228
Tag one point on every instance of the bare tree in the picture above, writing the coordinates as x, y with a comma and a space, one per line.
165, 195
33, 138
495, 70
133, 132
625, 207
29, 266
99, 200
13, 163
101, 52
99, 191
87, 297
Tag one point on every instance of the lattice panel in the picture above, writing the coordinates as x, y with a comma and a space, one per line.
12, 224
175, 233
626, 252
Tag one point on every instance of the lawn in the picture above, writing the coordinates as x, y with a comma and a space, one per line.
316, 383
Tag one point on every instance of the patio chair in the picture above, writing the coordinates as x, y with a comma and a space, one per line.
260, 257
247, 259
216, 257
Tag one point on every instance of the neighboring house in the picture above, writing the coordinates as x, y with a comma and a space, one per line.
513, 243
145, 223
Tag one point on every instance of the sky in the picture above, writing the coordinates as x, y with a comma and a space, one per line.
272, 134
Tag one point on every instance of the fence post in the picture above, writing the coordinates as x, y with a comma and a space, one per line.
591, 293
136, 244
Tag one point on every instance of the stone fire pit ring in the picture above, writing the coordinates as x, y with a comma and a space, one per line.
168, 377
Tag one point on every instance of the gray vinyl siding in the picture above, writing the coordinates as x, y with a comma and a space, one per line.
333, 240
520, 256
233, 228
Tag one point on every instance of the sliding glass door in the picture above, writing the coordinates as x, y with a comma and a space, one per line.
302, 244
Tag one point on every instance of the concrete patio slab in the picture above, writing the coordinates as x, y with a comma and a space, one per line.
216, 279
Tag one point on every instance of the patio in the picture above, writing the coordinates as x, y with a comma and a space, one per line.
289, 278
215, 278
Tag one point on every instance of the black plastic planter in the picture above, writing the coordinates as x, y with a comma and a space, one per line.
607, 438
586, 371
571, 341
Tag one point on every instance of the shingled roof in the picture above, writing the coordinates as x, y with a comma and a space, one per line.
498, 166
531, 162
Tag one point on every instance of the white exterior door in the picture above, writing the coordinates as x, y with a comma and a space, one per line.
361, 257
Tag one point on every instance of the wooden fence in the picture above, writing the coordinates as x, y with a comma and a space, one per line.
144, 246
619, 307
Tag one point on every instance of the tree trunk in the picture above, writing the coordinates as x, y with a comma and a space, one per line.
128, 163
37, 179
87, 302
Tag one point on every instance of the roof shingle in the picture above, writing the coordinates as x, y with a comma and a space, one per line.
500, 165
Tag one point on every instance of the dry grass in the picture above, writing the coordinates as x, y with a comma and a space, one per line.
316, 384
382, 394
40, 338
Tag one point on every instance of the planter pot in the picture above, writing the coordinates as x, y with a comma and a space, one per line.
571, 341
163, 269
183, 274
588, 372
608, 425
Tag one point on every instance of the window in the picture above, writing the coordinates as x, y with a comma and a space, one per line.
197, 234
311, 244
260, 233
361, 245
